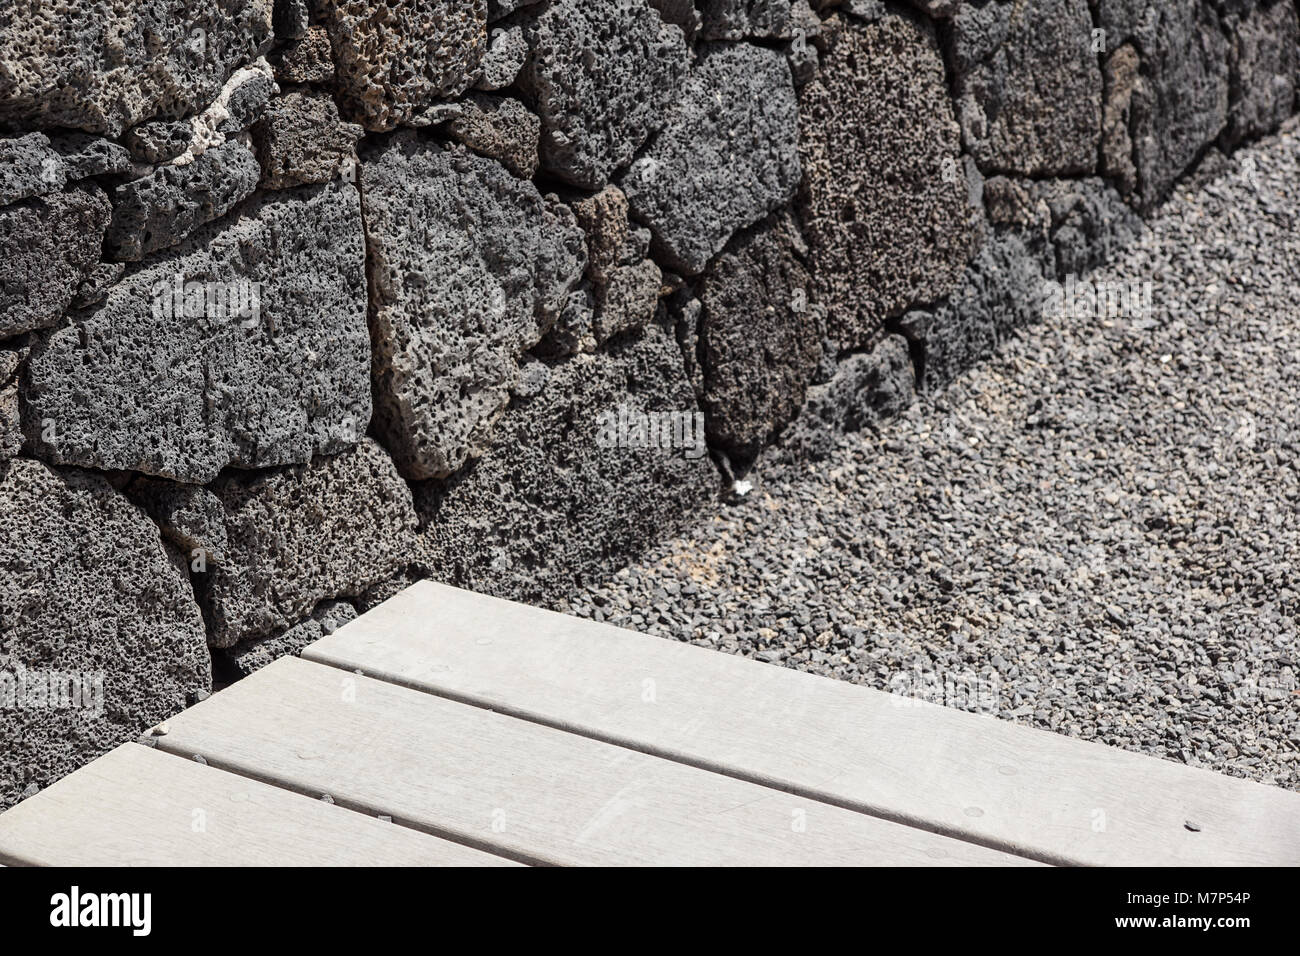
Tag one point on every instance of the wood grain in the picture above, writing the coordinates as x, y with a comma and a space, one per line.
137, 806
1022, 790
531, 792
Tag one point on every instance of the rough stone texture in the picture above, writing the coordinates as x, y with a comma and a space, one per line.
742, 19
549, 506
247, 658
603, 217
159, 141
102, 65
290, 19
301, 139
1090, 223
1179, 100
726, 157
86, 589
469, 266
139, 385
304, 534
85, 156
47, 246
506, 53
191, 517
1028, 86
246, 101
627, 299
159, 211
1262, 66
885, 208
572, 331
867, 389
759, 337
94, 285
11, 434
1121, 79
600, 76
394, 57
308, 60
680, 13
29, 166
1001, 291
500, 128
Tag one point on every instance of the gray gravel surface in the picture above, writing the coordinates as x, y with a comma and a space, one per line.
1093, 533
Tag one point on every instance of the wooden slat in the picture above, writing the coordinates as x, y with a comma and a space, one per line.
537, 794
1023, 790
136, 806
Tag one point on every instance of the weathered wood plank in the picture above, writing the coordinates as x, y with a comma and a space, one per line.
538, 794
1024, 790
136, 806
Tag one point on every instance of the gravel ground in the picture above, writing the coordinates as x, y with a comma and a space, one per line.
1091, 534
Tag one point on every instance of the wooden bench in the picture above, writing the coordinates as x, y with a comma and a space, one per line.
446, 727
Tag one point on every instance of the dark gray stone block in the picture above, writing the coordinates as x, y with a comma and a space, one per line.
304, 534
90, 602
726, 157
301, 139
866, 389
262, 359
103, 66
469, 266
548, 506
760, 337
1028, 86
159, 211
47, 247
395, 57
600, 76
885, 208
29, 166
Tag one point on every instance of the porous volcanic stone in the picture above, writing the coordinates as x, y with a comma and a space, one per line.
1001, 291
86, 591
885, 208
726, 157
47, 246
253, 655
300, 139
300, 535
759, 337
1028, 86
159, 141
600, 75
308, 60
103, 66
507, 50
866, 389
742, 19
500, 128
626, 299
469, 266
85, 155
138, 384
29, 166
11, 434
159, 211
1178, 102
549, 506
1262, 67
393, 57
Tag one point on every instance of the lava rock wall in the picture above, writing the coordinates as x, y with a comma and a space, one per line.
303, 300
